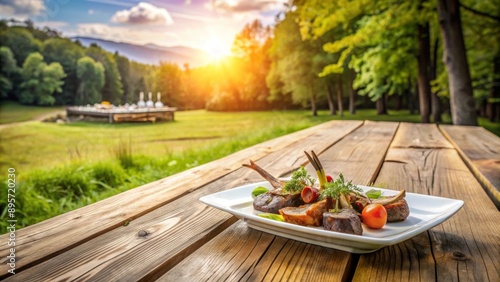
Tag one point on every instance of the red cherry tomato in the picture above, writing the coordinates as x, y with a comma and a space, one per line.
309, 194
374, 215
329, 178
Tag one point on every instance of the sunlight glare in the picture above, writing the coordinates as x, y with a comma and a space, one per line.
216, 50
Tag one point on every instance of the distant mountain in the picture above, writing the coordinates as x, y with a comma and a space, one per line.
150, 53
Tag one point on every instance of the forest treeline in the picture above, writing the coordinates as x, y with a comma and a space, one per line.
430, 56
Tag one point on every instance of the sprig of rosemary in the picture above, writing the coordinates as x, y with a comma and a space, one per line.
300, 179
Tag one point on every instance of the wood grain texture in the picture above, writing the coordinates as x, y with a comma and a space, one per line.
359, 155
465, 247
480, 150
281, 259
170, 232
244, 254
51, 237
419, 135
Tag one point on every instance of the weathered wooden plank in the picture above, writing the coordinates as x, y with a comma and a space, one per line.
480, 150
169, 233
359, 155
419, 135
54, 236
465, 247
284, 259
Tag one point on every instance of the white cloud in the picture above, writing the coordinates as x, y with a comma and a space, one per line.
21, 9
23, 6
143, 13
243, 6
90, 12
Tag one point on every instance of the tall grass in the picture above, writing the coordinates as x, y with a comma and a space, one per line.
123, 152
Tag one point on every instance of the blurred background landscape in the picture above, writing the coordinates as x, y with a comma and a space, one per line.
238, 72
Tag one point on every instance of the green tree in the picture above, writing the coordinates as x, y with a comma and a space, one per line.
124, 69
251, 46
40, 81
91, 76
8, 68
67, 53
295, 66
113, 88
20, 41
142, 79
168, 83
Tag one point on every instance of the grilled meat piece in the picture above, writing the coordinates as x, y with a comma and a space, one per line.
397, 211
272, 202
345, 221
308, 215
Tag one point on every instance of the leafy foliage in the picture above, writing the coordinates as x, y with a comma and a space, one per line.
169, 83
300, 178
40, 81
7, 69
67, 53
294, 66
20, 41
91, 77
113, 87
339, 186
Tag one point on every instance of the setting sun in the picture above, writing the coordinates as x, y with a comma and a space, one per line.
216, 50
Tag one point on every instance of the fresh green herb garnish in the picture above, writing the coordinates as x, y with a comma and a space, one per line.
272, 216
300, 179
374, 193
259, 190
339, 187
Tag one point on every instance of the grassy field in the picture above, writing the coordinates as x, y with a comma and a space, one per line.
36, 145
61, 167
15, 112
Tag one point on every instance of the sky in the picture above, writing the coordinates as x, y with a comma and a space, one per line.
210, 25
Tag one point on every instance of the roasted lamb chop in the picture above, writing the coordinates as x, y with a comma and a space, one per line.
273, 202
397, 211
396, 206
276, 199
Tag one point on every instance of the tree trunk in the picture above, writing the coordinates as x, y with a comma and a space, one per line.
463, 109
409, 98
352, 93
314, 107
339, 96
329, 97
399, 102
381, 105
81, 94
424, 60
493, 107
437, 109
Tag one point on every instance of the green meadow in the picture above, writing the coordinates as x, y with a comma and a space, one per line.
15, 112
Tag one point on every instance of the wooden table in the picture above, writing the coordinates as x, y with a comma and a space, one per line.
161, 231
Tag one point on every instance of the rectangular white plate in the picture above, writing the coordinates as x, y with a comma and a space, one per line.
425, 212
